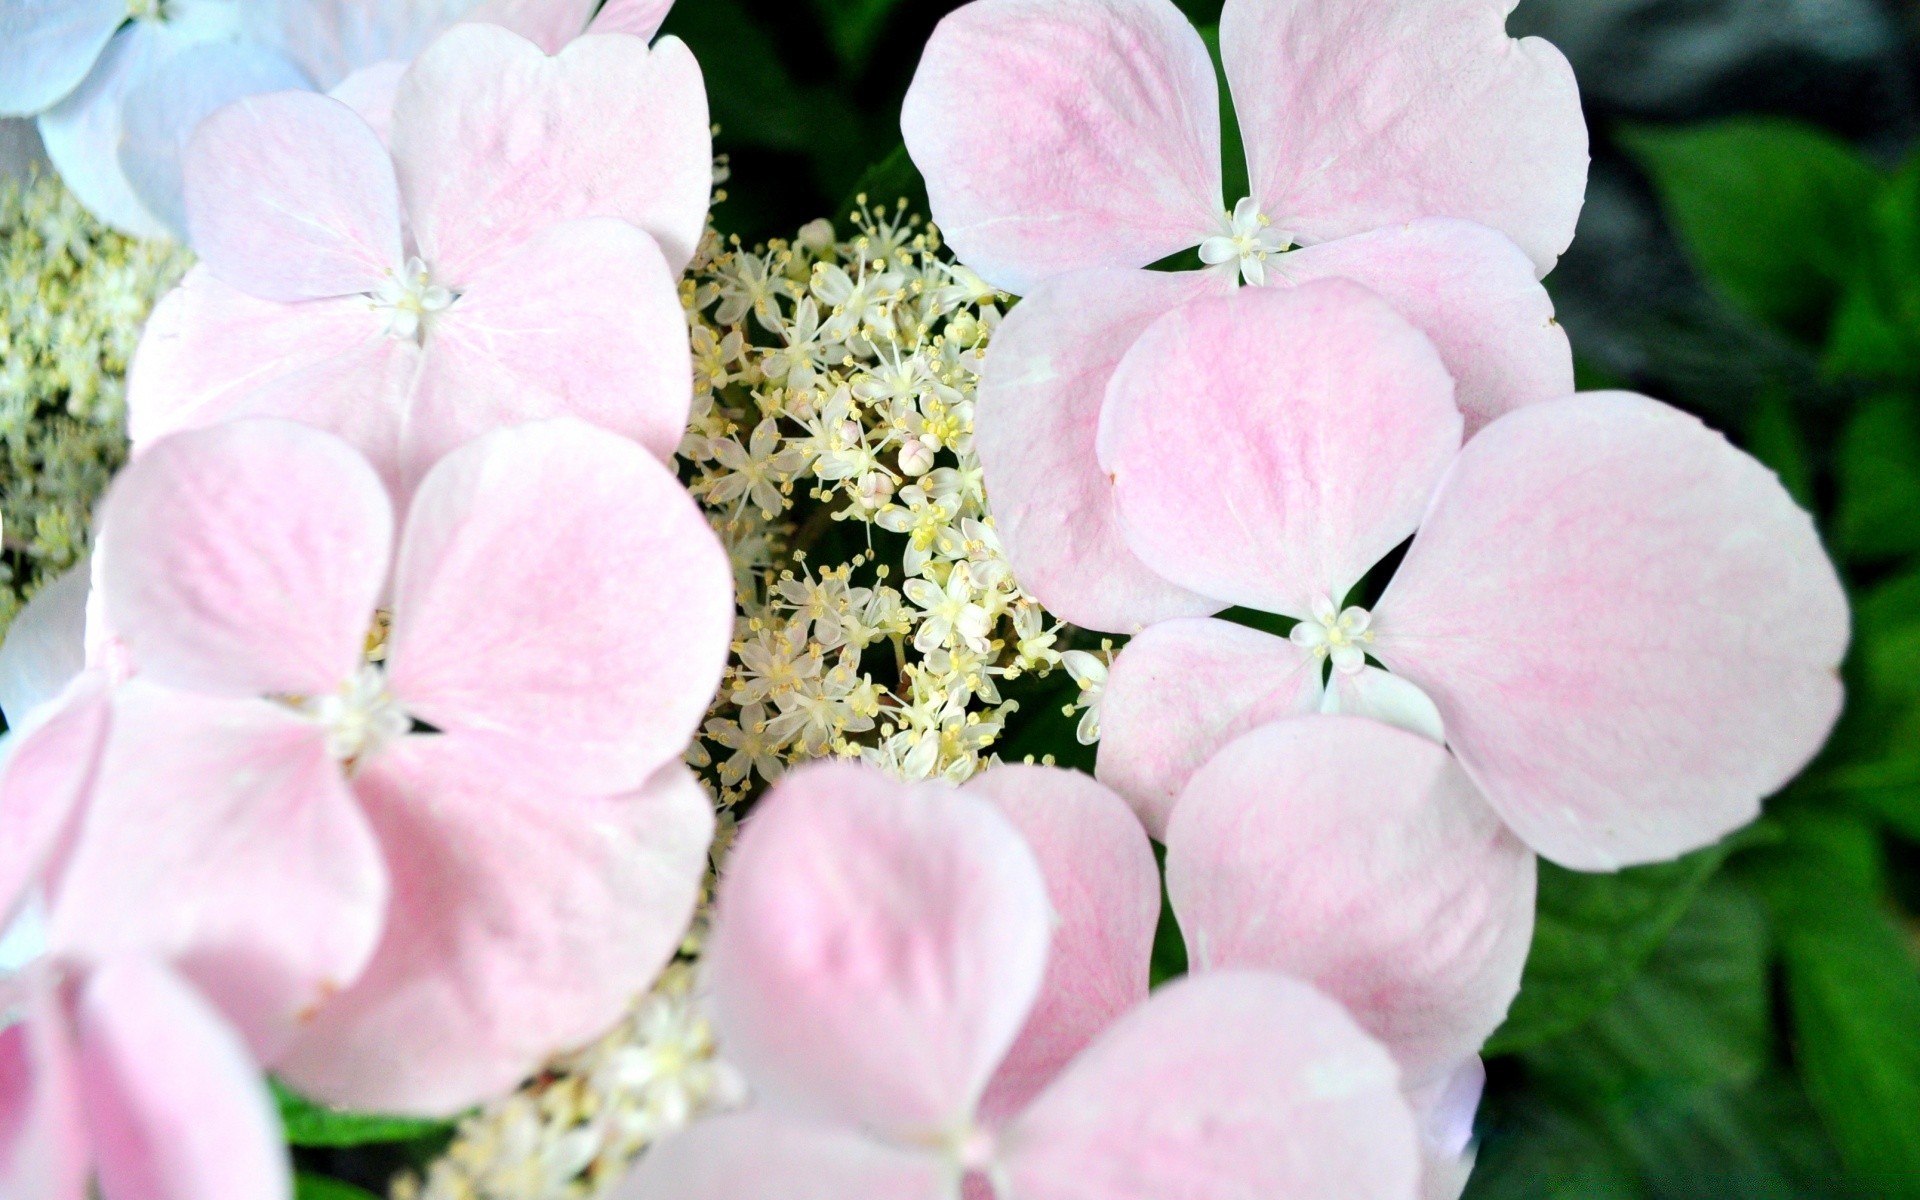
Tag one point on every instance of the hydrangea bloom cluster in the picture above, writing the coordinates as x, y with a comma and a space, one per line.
72, 297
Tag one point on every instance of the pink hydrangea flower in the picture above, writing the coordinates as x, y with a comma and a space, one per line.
513, 257
1623, 627
406, 802
122, 1079
924, 1000
1406, 144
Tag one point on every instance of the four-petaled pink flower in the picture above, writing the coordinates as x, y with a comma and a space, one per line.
1405, 144
1624, 627
405, 803
514, 257
924, 1001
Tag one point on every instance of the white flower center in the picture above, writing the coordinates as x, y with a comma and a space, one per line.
1340, 635
408, 298
362, 718
1249, 240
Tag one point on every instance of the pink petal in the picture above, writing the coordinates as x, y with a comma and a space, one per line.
1105, 889
763, 1156
43, 1134
46, 775
370, 93
1361, 859
1630, 629
524, 921
212, 352
1180, 691
877, 950
1358, 115
560, 593
1265, 476
1059, 135
583, 320
291, 196
178, 1110
1034, 423
1471, 291
548, 24
246, 558
639, 18
221, 837
495, 141
1232, 1084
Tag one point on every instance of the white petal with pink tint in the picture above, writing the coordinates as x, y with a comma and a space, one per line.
46, 645
761, 1156
582, 320
1268, 447
1105, 890
1359, 858
1632, 632
43, 1134
333, 38
877, 948
494, 141
46, 774
291, 196
1474, 295
1232, 1084
558, 591
1180, 691
176, 1108
370, 92
1061, 135
246, 558
222, 837
1359, 114
548, 24
1371, 692
1037, 411
524, 921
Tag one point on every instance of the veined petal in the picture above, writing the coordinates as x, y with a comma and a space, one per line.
48, 46
877, 949
1035, 420
1228, 1084
1630, 629
1361, 859
1180, 691
1062, 135
1268, 447
764, 1156
1358, 114
1105, 890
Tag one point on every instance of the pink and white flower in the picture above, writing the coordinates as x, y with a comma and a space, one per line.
514, 257
1407, 144
405, 802
1623, 627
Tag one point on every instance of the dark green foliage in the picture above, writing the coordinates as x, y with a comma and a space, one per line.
311, 1124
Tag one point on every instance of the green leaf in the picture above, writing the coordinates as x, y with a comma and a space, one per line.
1773, 213
1169, 944
885, 183
1879, 469
1774, 437
308, 1186
310, 1124
1233, 150
854, 27
1591, 936
1876, 333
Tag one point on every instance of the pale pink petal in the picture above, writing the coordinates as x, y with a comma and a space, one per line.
560, 593
1034, 423
1233, 1084
524, 921
1630, 629
43, 1134
494, 141
46, 773
1371, 692
1268, 447
290, 196
1445, 1109
177, 1109
246, 558
332, 39
1471, 291
583, 320
877, 949
1361, 859
548, 24
1180, 691
370, 92
46, 645
1358, 114
211, 352
222, 837
1105, 890
762, 1156
640, 18
1060, 135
